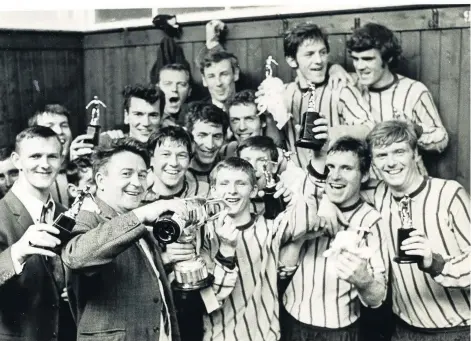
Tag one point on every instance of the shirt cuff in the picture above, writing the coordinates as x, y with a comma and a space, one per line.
228, 262
438, 263
16, 265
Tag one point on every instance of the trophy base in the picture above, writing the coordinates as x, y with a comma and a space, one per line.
310, 144
406, 259
201, 284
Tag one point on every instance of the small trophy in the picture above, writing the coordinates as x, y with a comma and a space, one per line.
268, 67
65, 222
273, 206
189, 274
94, 126
307, 136
404, 232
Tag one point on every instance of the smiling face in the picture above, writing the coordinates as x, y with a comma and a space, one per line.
143, 118
396, 164
60, 125
235, 187
122, 181
176, 86
311, 60
244, 121
344, 178
220, 80
209, 138
370, 67
39, 160
170, 162
8, 175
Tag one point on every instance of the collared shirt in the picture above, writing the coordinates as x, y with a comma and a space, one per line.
34, 206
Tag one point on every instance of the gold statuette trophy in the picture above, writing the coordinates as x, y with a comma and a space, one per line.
94, 126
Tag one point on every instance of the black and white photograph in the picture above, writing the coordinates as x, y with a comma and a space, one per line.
235, 171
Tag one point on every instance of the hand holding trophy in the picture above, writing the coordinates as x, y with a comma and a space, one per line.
94, 126
271, 94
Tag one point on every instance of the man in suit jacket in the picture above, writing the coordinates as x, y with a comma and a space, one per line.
31, 277
119, 287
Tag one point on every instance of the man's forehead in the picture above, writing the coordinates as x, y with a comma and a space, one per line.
232, 174
256, 152
126, 159
172, 75
343, 157
48, 117
390, 146
312, 43
222, 65
365, 53
205, 126
170, 145
243, 110
139, 103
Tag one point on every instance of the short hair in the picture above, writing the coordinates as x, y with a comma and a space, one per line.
264, 143
150, 93
245, 97
234, 163
207, 113
217, 56
376, 36
175, 134
5, 152
388, 132
176, 67
76, 167
48, 108
36, 132
103, 154
357, 147
296, 36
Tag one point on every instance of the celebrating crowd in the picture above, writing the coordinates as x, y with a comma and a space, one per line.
307, 245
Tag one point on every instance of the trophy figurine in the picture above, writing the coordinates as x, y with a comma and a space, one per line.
404, 232
272, 99
94, 126
65, 222
190, 274
273, 206
307, 136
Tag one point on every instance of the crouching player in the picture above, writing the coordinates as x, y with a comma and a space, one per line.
251, 312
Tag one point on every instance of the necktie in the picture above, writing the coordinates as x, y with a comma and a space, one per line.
54, 264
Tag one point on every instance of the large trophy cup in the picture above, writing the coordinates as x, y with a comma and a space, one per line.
273, 206
307, 136
404, 232
94, 125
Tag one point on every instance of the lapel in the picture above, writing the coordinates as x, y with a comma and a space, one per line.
108, 213
19, 210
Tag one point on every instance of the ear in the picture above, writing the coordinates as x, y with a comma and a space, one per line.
254, 192
126, 117
416, 154
292, 62
204, 80
190, 89
72, 190
15, 159
365, 177
99, 180
236, 74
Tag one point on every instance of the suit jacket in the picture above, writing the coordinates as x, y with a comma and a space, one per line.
115, 292
29, 302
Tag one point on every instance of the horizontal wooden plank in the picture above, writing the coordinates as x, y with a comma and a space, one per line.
400, 20
19, 40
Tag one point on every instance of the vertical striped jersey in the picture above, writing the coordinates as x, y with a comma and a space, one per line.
409, 99
202, 176
316, 296
440, 208
345, 108
251, 312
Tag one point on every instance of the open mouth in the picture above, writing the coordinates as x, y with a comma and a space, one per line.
394, 171
232, 200
133, 193
174, 99
172, 171
337, 187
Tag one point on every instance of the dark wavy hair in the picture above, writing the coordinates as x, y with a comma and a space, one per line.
150, 93
264, 143
103, 154
379, 37
296, 36
205, 112
357, 147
